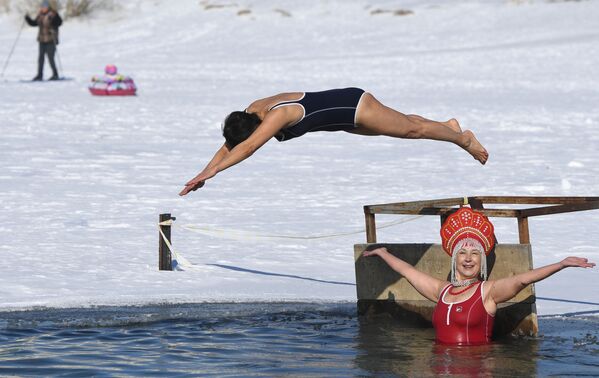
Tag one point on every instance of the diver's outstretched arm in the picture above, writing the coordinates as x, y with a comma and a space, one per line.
430, 287
272, 124
504, 289
217, 158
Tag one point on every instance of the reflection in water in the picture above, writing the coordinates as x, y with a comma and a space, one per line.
566, 346
512, 359
387, 347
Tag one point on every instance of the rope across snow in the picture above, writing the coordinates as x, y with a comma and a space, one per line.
181, 263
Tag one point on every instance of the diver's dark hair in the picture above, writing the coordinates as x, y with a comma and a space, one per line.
238, 126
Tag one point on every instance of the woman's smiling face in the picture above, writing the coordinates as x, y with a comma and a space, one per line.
468, 262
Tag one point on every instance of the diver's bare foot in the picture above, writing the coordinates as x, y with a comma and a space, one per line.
473, 146
454, 125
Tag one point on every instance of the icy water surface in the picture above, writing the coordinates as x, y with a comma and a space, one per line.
273, 340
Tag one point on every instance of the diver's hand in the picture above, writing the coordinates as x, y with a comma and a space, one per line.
198, 181
189, 188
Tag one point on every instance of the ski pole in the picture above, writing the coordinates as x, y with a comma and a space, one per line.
13, 49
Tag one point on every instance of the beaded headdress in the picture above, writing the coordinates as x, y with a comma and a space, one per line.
467, 226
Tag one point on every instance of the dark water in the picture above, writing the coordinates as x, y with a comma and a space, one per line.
273, 340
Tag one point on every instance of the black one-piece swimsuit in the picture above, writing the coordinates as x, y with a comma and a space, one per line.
331, 110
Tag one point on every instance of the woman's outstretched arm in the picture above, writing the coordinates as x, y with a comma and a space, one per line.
430, 287
272, 124
504, 289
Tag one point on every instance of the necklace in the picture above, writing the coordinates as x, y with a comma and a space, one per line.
472, 282
464, 283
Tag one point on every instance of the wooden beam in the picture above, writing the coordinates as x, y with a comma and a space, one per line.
475, 203
370, 227
419, 204
443, 218
558, 209
500, 213
525, 200
523, 232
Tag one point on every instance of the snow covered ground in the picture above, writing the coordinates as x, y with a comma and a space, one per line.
83, 179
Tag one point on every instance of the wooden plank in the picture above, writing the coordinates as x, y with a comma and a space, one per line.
419, 204
500, 213
558, 209
525, 200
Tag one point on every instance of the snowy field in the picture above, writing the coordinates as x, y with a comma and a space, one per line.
83, 179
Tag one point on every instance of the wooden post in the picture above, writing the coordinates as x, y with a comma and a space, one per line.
370, 226
475, 203
523, 230
164, 253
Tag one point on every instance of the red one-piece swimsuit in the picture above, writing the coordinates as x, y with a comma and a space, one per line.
466, 322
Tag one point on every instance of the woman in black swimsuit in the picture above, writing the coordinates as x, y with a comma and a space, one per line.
290, 115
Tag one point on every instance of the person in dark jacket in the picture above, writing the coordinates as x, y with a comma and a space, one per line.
48, 21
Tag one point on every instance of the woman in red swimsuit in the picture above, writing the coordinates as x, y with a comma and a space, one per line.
466, 306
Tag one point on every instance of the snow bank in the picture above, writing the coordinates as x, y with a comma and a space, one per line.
83, 179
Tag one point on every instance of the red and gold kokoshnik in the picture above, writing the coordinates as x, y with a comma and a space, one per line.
467, 223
